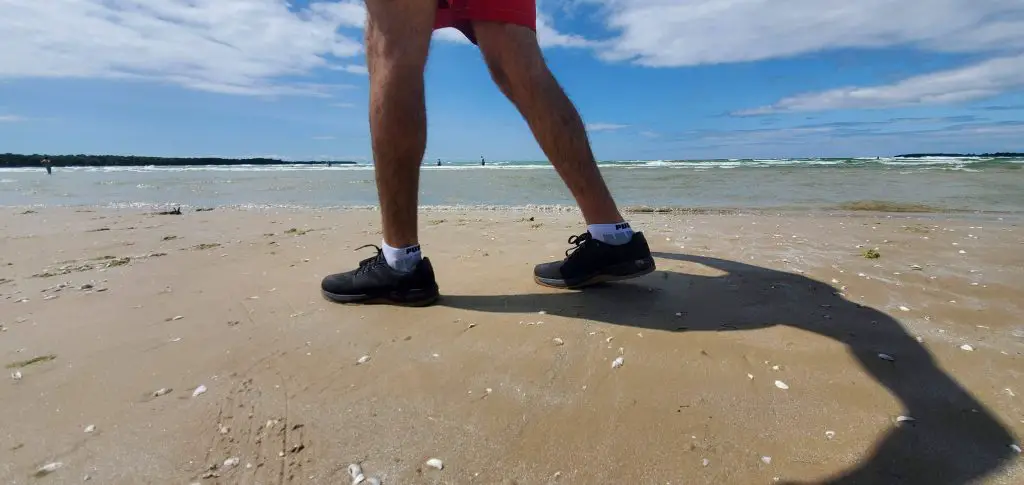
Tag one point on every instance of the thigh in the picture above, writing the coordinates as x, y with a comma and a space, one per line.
398, 31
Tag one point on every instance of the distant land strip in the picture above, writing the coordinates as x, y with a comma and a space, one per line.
12, 160
988, 155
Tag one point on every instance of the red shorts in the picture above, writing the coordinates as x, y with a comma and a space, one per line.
461, 13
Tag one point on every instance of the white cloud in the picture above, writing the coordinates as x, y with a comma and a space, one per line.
10, 118
604, 127
228, 46
547, 36
352, 69
664, 33
981, 80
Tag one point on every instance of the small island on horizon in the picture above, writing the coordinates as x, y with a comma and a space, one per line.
13, 160
965, 155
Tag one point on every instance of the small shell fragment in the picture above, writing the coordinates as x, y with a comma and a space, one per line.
176, 318
161, 391
781, 385
767, 460
435, 463
90, 428
354, 470
830, 434
558, 341
904, 309
364, 359
199, 390
48, 468
16, 375
705, 462
1015, 448
886, 357
967, 347
904, 419
231, 462
617, 362
750, 376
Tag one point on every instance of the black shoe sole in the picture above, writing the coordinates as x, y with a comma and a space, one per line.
416, 298
619, 272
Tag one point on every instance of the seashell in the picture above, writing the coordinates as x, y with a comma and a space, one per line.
16, 375
830, 434
48, 468
705, 462
162, 391
904, 419
354, 470
364, 359
904, 309
231, 462
781, 385
90, 428
558, 341
435, 463
199, 390
886, 357
767, 460
617, 362
176, 318
1015, 448
967, 347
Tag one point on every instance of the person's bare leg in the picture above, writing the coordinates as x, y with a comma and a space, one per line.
518, 68
397, 42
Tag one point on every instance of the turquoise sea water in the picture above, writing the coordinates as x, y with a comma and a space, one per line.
971, 184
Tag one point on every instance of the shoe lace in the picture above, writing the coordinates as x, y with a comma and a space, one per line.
368, 263
579, 242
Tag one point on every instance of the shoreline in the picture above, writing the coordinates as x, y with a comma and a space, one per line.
503, 380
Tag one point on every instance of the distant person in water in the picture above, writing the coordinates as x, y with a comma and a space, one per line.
482, 162
438, 162
397, 41
47, 165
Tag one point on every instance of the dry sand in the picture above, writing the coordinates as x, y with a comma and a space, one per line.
478, 381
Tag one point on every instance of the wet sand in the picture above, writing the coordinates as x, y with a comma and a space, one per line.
759, 336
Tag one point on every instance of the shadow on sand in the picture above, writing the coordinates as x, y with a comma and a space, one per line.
955, 439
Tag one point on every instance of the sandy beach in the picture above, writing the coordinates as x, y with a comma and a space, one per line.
766, 349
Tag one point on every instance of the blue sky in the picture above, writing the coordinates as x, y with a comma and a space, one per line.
653, 79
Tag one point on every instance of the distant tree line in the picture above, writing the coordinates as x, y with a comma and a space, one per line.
12, 160
989, 155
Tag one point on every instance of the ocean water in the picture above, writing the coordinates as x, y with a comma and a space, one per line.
955, 184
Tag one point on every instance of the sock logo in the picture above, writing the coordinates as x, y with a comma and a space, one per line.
624, 225
412, 250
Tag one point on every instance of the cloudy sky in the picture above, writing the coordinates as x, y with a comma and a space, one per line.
654, 79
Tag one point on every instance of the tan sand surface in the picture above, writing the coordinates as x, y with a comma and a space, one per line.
739, 302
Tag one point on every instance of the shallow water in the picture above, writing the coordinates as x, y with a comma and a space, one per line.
945, 184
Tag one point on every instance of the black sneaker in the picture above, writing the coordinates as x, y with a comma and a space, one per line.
592, 261
376, 282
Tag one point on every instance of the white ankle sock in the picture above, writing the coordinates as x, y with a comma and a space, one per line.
402, 259
614, 234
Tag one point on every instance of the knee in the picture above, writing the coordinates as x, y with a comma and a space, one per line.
515, 62
394, 54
